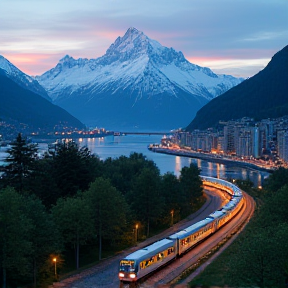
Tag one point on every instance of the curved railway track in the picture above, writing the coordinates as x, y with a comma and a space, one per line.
104, 274
174, 269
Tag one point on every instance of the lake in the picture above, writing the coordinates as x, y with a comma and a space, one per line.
115, 146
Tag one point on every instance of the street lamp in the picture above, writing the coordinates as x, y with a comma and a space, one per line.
172, 215
55, 261
136, 232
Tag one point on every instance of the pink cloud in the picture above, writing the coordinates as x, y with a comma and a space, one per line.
33, 64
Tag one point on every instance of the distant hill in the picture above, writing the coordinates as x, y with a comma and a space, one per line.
23, 106
264, 95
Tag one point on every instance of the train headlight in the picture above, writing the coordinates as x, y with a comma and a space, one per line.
121, 275
132, 275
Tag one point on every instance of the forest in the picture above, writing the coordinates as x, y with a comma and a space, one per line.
71, 208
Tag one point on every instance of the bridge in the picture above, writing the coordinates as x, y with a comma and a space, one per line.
143, 133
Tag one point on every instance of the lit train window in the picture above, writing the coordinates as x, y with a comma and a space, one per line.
170, 250
159, 256
127, 265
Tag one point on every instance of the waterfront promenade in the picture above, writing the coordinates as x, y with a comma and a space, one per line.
213, 158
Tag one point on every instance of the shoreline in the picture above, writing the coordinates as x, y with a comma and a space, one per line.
209, 158
45, 138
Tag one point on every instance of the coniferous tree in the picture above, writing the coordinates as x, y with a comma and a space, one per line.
42, 183
74, 169
20, 163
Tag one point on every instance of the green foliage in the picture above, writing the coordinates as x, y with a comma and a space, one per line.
28, 236
259, 259
20, 163
73, 216
191, 189
88, 199
170, 190
42, 184
15, 227
73, 169
44, 237
276, 180
145, 197
121, 171
109, 210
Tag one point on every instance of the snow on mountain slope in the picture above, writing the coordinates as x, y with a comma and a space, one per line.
22, 79
133, 68
132, 56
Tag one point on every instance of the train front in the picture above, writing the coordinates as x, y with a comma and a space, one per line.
127, 270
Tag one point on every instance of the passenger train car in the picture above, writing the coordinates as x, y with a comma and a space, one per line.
148, 259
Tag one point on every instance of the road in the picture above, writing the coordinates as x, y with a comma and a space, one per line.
105, 274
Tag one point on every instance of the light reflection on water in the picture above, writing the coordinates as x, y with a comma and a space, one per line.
115, 146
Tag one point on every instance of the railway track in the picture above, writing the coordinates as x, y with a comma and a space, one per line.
105, 273
173, 274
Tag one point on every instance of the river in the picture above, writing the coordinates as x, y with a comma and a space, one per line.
115, 146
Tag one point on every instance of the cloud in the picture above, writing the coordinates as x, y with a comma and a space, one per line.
237, 67
240, 29
33, 64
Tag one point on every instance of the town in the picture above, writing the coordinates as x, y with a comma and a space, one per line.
263, 144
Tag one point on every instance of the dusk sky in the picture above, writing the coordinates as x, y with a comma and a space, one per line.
236, 37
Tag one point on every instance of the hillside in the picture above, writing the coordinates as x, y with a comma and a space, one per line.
23, 106
264, 95
22, 79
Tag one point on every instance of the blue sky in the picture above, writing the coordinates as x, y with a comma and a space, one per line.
236, 37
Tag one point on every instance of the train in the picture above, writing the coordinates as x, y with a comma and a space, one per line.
150, 258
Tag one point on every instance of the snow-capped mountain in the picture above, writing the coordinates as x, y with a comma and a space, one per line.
138, 83
22, 79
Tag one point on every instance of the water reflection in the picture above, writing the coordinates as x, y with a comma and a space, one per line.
178, 165
117, 146
217, 170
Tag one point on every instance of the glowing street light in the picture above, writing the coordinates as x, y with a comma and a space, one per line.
172, 215
136, 231
55, 261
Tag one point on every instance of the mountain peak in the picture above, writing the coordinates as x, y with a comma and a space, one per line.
133, 31
135, 78
66, 58
133, 42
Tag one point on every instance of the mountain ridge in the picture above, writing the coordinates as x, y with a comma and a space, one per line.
22, 106
22, 79
139, 69
259, 97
